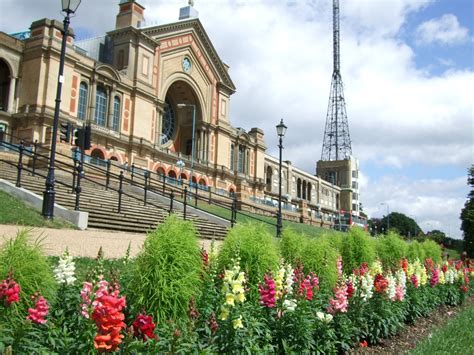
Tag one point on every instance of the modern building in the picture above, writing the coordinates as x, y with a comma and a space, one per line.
148, 93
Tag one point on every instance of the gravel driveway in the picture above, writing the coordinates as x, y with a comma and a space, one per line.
84, 243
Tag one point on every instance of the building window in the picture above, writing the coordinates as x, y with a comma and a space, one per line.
309, 191
269, 178
232, 157
116, 117
355, 196
298, 188
100, 106
167, 123
355, 207
82, 107
355, 174
354, 185
4, 85
241, 162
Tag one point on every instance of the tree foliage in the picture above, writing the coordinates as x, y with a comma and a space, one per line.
467, 216
402, 224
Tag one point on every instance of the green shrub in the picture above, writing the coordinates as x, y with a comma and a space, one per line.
30, 267
316, 254
390, 249
166, 274
357, 247
415, 251
432, 250
256, 248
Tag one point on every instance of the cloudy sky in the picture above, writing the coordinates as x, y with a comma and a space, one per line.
407, 67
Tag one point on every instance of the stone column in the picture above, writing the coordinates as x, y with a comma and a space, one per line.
208, 144
92, 92
11, 94
110, 114
201, 144
159, 119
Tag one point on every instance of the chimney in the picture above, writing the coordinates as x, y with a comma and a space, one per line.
130, 14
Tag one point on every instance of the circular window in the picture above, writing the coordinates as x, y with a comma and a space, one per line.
167, 127
186, 64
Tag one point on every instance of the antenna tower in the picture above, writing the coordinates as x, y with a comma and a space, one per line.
337, 141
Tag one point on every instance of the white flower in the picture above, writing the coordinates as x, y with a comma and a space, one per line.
289, 305
320, 315
64, 272
366, 287
328, 318
391, 289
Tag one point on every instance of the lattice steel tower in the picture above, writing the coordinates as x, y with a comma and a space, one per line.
337, 141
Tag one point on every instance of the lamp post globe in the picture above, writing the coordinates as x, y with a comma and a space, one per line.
281, 130
69, 7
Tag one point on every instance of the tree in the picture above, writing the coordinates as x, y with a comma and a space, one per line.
401, 223
436, 235
467, 216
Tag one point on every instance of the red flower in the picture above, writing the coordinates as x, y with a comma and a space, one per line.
205, 257
429, 265
212, 323
108, 317
444, 268
37, 314
380, 284
350, 289
143, 327
267, 292
434, 277
458, 265
404, 264
363, 344
192, 310
414, 280
10, 290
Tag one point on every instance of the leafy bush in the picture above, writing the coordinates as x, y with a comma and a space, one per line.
357, 247
432, 250
30, 268
256, 247
415, 251
291, 245
390, 249
166, 274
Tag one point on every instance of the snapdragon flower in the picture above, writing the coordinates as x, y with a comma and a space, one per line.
64, 272
366, 286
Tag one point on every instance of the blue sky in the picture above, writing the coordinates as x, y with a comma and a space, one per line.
407, 66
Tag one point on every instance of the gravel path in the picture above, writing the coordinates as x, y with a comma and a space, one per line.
84, 243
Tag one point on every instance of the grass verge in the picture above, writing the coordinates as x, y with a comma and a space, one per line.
15, 211
455, 337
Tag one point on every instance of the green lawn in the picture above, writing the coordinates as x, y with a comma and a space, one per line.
455, 337
14, 211
244, 216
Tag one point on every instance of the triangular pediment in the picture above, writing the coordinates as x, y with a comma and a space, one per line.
108, 71
195, 27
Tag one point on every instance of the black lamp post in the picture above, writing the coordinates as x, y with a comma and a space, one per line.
281, 129
69, 7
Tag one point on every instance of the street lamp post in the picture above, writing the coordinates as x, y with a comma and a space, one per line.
388, 215
69, 7
281, 129
192, 139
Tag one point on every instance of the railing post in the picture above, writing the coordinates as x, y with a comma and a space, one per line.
210, 196
145, 189
133, 173
35, 152
196, 197
233, 213
74, 174
80, 174
185, 203
107, 175
164, 183
171, 201
20, 165
120, 191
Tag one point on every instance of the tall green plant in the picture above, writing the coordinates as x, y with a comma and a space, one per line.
357, 247
432, 250
415, 251
390, 249
30, 267
256, 248
166, 274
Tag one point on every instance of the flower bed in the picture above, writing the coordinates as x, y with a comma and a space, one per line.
175, 298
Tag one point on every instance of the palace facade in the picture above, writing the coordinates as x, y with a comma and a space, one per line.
146, 91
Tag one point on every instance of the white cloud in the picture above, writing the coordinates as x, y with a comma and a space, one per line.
445, 30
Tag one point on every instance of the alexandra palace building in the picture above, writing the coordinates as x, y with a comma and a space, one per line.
140, 89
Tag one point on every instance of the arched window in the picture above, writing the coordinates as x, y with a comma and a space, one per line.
100, 106
4, 85
121, 59
309, 191
269, 178
82, 107
116, 117
304, 189
241, 159
298, 188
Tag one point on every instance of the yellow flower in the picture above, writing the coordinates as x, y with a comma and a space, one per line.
442, 279
237, 323
229, 299
228, 276
224, 313
240, 297
237, 287
241, 277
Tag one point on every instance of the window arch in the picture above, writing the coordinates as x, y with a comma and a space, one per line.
82, 106
309, 191
304, 189
298, 188
101, 106
4, 85
269, 178
232, 157
116, 116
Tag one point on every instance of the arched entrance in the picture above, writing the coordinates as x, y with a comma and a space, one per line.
181, 105
4, 85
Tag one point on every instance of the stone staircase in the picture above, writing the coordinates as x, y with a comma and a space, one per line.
102, 204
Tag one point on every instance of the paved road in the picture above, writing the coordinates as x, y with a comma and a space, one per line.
83, 243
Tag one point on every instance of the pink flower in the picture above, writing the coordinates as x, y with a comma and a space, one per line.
267, 292
434, 277
143, 327
339, 266
414, 280
10, 290
339, 302
399, 293
37, 314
